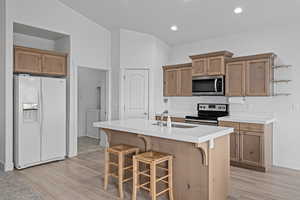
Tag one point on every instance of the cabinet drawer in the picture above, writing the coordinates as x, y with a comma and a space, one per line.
252, 127
234, 125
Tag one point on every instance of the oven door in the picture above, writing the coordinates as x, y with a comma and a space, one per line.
208, 86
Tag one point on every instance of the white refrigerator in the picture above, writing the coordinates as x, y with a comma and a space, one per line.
39, 120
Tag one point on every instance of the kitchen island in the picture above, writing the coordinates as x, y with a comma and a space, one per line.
201, 153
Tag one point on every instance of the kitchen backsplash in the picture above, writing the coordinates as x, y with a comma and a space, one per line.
237, 105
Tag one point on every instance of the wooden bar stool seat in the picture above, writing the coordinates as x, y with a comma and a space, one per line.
153, 160
121, 151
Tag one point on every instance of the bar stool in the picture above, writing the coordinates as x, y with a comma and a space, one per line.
121, 151
153, 159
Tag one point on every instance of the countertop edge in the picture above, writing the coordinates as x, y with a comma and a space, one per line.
252, 120
221, 133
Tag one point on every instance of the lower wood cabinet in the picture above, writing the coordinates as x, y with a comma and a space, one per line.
250, 145
251, 148
178, 80
39, 62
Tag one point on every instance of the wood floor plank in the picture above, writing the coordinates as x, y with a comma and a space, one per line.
81, 178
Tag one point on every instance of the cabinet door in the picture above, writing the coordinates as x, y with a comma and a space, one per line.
234, 139
234, 146
199, 67
251, 148
258, 78
235, 79
27, 62
185, 81
171, 82
216, 66
54, 65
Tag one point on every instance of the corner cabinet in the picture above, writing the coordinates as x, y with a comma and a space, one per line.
178, 80
250, 75
210, 64
250, 145
39, 62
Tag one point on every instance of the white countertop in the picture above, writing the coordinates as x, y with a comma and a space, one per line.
198, 134
248, 119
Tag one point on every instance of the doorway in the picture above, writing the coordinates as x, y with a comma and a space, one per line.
92, 95
136, 94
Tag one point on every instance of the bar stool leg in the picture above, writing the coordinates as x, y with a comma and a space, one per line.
170, 171
106, 170
135, 178
120, 174
153, 180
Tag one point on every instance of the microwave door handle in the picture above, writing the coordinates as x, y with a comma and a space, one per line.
216, 82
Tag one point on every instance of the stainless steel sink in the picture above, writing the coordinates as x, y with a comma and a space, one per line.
174, 125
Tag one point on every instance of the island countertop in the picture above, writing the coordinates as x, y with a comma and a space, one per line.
196, 134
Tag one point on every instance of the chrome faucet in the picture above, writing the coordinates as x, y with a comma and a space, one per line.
164, 113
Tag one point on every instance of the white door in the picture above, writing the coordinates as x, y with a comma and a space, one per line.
27, 121
53, 118
136, 94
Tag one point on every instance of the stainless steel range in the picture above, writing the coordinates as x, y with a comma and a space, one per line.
208, 114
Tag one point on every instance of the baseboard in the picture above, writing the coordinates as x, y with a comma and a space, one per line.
6, 167
2, 166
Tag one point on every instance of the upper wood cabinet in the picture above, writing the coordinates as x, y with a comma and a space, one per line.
185, 82
250, 75
199, 67
235, 79
216, 66
258, 77
54, 65
39, 62
171, 82
178, 80
27, 61
210, 64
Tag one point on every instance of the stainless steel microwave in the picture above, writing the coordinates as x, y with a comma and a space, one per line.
208, 86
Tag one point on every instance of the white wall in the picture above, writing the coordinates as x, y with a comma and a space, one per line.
2, 84
285, 42
89, 46
115, 73
33, 42
139, 50
88, 81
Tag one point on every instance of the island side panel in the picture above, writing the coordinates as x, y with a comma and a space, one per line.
190, 176
219, 163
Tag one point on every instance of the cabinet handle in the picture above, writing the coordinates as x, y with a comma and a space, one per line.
251, 152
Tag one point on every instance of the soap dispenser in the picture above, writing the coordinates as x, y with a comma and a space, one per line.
169, 122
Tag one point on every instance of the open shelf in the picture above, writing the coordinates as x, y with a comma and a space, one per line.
281, 81
282, 66
282, 94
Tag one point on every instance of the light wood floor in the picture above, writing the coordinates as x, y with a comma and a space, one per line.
80, 178
88, 144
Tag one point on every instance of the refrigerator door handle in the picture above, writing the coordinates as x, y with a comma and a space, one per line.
41, 106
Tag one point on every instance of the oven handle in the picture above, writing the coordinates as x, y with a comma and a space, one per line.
197, 120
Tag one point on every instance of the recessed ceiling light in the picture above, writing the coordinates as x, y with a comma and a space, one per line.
174, 28
238, 10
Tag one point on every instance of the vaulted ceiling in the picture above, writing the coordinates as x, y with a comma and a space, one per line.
196, 19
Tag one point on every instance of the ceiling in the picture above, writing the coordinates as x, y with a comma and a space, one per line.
196, 19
